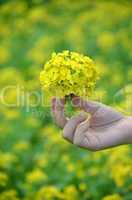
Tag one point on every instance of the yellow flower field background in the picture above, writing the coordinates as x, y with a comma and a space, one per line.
35, 161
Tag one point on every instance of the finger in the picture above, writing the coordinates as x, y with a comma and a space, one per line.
88, 106
100, 140
105, 115
71, 125
87, 140
111, 137
81, 128
100, 114
58, 111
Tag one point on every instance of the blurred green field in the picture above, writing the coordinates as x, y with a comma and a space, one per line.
35, 161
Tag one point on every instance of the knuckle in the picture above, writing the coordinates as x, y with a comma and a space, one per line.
92, 143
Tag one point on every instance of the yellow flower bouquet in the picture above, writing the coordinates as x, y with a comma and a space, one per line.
69, 73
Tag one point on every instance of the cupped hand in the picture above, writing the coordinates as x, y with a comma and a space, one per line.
104, 128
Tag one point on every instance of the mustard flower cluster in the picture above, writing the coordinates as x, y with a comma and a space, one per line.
30, 146
69, 73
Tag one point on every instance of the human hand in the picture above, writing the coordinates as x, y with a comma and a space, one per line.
104, 128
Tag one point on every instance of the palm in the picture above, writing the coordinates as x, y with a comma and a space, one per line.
97, 138
102, 130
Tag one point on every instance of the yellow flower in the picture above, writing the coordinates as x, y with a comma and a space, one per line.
120, 169
12, 114
21, 146
106, 40
112, 197
120, 172
36, 176
49, 193
32, 122
36, 14
8, 73
4, 55
65, 158
70, 192
3, 179
9, 195
80, 173
70, 167
41, 161
82, 186
123, 100
7, 159
129, 74
69, 73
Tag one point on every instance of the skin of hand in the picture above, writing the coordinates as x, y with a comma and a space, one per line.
104, 128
